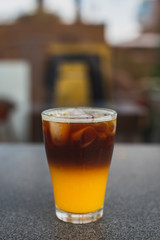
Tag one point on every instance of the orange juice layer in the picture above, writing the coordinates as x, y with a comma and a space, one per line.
79, 190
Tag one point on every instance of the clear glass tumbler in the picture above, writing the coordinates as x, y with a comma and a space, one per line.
79, 144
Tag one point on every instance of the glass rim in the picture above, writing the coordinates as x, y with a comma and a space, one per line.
53, 115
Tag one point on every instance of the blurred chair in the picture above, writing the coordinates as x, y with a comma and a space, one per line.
78, 75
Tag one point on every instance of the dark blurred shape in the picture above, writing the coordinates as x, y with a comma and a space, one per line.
78, 7
40, 5
94, 77
70, 66
6, 108
39, 14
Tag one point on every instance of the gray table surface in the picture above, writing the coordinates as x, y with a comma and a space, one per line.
132, 205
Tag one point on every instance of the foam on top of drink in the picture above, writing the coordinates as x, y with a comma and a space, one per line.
79, 115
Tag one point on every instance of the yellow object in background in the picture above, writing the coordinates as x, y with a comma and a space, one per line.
73, 85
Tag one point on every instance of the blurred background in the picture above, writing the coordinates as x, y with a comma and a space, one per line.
103, 53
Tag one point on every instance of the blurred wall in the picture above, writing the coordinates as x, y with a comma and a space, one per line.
15, 87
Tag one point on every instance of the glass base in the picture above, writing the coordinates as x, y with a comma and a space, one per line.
79, 218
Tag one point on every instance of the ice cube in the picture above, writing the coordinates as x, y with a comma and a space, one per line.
101, 129
59, 132
84, 137
80, 113
112, 127
106, 128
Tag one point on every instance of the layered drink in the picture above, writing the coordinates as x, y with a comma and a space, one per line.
79, 144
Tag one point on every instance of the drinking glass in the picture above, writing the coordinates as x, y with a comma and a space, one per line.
79, 144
